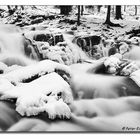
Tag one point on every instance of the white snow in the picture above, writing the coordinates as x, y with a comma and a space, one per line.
12, 68
40, 68
135, 76
41, 95
3, 66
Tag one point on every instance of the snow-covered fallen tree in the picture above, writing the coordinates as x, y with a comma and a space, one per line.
37, 69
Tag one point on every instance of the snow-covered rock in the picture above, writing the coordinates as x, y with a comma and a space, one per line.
49, 93
3, 67
112, 62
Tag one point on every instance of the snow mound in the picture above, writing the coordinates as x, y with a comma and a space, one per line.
41, 87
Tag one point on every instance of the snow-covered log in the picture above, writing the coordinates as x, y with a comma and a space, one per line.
38, 69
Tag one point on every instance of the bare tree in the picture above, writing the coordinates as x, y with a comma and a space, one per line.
99, 8
124, 8
82, 9
11, 10
118, 12
78, 16
108, 15
108, 22
136, 10
22, 7
113, 8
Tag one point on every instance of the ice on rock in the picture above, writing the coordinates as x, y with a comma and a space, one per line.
112, 61
57, 108
48, 93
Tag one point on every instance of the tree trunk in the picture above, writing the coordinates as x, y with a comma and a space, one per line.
10, 10
65, 10
113, 10
118, 12
108, 22
16, 7
78, 16
82, 9
124, 8
108, 15
22, 7
99, 8
135, 10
